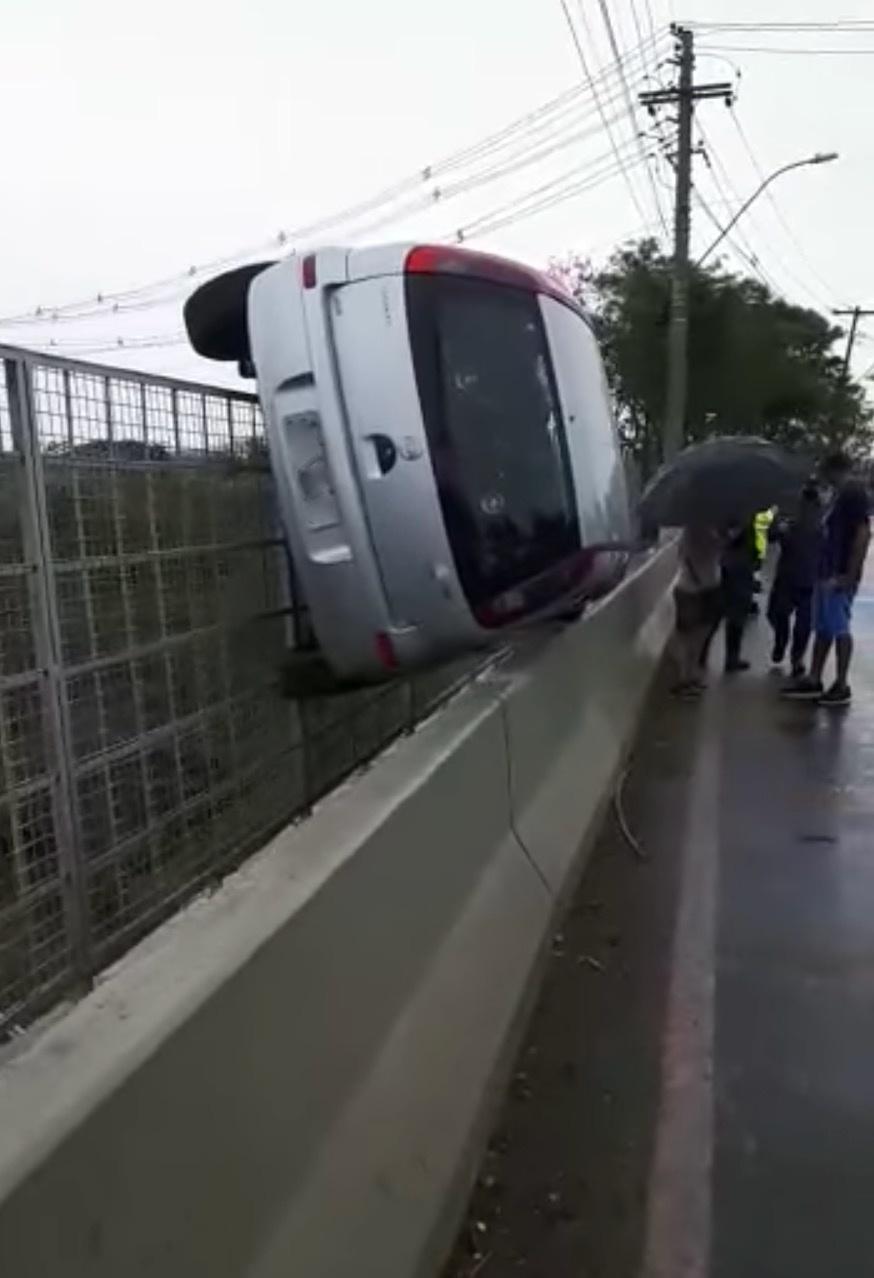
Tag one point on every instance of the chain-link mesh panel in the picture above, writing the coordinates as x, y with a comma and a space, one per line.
172, 618
35, 952
146, 612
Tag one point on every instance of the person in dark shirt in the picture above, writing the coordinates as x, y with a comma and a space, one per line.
790, 604
740, 561
846, 534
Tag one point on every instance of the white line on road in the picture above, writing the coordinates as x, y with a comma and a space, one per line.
679, 1204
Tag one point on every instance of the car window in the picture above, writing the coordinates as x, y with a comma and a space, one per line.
495, 430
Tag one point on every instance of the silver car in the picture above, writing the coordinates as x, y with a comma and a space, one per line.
442, 442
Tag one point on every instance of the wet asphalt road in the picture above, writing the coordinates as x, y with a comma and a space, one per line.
695, 1096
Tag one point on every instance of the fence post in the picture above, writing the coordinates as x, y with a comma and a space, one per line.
47, 635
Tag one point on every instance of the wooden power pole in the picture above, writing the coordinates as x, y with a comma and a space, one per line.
856, 313
684, 94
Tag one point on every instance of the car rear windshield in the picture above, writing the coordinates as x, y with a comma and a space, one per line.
494, 429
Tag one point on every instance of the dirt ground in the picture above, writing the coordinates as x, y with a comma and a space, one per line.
562, 1189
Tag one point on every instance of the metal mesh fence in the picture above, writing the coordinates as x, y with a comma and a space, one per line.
145, 610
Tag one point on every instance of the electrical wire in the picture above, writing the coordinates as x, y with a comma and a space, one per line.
849, 25
523, 128
649, 17
775, 205
751, 262
773, 48
543, 205
468, 185
570, 182
592, 85
725, 190
523, 125
722, 180
567, 187
611, 36
638, 29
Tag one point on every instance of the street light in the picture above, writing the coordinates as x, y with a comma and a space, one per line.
821, 157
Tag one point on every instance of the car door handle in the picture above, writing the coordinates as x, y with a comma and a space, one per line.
385, 452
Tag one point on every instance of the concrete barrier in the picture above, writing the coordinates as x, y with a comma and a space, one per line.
571, 715
295, 1075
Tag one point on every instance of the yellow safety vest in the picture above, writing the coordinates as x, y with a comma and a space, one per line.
761, 524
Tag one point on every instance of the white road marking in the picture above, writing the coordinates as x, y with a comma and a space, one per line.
678, 1223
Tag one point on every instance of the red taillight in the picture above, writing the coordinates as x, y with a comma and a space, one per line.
434, 259
385, 651
308, 271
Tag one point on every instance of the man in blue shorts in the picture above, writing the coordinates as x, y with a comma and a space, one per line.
846, 535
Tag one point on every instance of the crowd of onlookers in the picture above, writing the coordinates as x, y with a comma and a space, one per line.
821, 542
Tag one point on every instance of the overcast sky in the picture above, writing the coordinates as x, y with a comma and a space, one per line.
142, 140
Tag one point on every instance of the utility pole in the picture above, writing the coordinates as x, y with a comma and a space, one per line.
678, 330
857, 312
684, 94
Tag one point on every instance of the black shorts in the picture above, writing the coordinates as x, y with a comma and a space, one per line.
698, 609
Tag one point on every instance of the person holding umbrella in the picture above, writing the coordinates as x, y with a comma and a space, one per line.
698, 604
718, 484
740, 562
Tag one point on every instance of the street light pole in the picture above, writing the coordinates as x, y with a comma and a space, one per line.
819, 158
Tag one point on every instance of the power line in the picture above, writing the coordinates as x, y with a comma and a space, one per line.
446, 194
752, 262
629, 102
638, 29
523, 130
466, 186
649, 17
542, 206
773, 48
565, 186
775, 205
740, 233
728, 197
591, 83
849, 25
512, 162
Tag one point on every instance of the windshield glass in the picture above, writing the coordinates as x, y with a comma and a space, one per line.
495, 430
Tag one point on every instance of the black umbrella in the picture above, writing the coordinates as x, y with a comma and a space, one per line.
722, 481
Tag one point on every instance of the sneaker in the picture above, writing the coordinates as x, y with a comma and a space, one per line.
777, 657
803, 690
838, 695
798, 672
736, 667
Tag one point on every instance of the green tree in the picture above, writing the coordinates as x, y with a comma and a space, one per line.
757, 364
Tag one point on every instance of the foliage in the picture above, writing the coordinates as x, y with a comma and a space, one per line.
757, 364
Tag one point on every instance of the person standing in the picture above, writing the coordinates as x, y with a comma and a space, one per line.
698, 602
846, 535
739, 563
790, 604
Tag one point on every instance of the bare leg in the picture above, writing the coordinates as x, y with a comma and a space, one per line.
844, 655
821, 648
